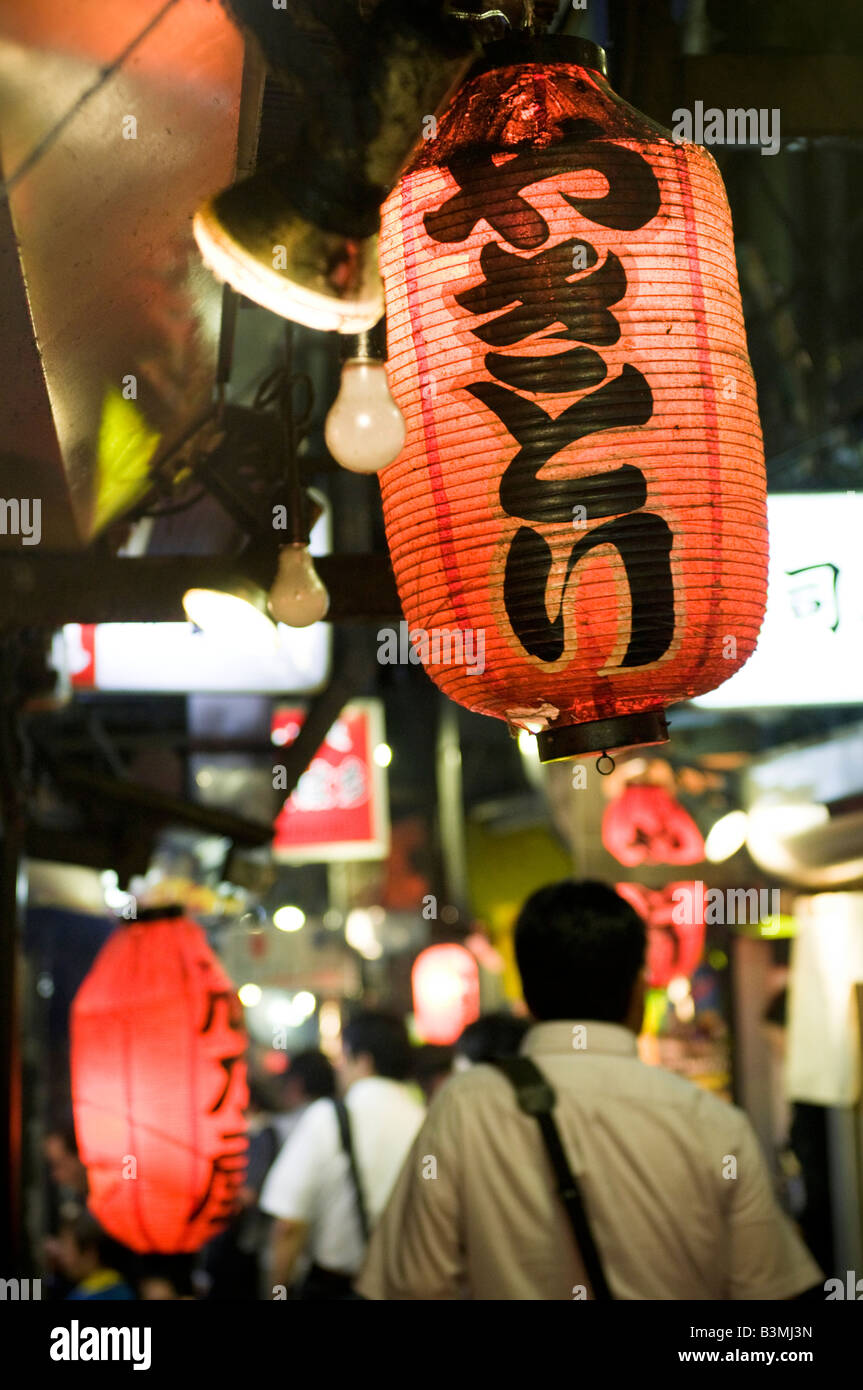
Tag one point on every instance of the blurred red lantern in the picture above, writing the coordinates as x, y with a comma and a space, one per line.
577, 522
159, 1086
674, 916
644, 825
445, 985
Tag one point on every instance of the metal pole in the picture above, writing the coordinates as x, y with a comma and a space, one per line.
12, 810
451, 822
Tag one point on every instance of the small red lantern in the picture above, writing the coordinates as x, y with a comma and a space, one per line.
159, 1087
675, 927
445, 985
645, 825
577, 522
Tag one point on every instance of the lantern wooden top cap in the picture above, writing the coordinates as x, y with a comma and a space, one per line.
551, 49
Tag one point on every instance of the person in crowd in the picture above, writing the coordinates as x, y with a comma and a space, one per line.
67, 1172
83, 1260
166, 1278
433, 1064
332, 1179
490, 1036
235, 1261
310, 1077
66, 1197
675, 1191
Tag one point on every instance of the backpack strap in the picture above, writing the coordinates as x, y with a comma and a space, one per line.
537, 1098
344, 1124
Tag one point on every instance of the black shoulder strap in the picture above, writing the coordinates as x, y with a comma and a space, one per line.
536, 1097
347, 1144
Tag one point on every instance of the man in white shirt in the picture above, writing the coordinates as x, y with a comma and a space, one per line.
676, 1190
310, 1189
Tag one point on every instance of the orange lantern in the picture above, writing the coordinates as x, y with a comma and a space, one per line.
644, 825
581, 499
674, 916
445, 986
159, 1086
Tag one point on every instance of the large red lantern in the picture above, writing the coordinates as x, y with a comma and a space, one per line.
159, 1086
445, 986
582, 492
645, 825
674, 916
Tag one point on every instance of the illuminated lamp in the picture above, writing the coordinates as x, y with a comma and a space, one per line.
674, 917
237, 615
300, 236
644, 825
365, 429
726, 836
445, 986
583, 478
298, 596
159, 1086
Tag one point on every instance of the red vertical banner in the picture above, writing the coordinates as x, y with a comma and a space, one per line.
339, 807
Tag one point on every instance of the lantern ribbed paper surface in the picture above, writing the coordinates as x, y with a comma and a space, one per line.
159, 1087
445, 987
582, 490
674, 916
645, 825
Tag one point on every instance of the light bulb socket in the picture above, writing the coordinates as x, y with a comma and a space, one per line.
370, 346
550, 48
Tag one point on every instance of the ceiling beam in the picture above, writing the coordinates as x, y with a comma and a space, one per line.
47, 590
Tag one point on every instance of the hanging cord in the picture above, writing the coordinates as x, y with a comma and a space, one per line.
51, 136
279, 390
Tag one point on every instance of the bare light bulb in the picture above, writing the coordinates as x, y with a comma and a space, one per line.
365, 429
298, 597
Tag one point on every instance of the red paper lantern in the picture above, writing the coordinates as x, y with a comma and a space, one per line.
445, 985
582, 491
674, 916
644, 825
159, 1087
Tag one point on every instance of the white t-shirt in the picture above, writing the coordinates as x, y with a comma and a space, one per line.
310, 1180
675, 1186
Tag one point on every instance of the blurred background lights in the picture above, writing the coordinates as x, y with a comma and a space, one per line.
726, 837
289, 918
360, 931
249, 995
383, 755
527, 744
678, 989
330, 1019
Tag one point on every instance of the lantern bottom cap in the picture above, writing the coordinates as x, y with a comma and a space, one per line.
602, 736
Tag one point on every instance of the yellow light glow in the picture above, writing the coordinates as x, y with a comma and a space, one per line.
289, 918
330, 1019
678, 989
236, 620
249, 995
383, 755
126, 446
726, 836
305, 1003
230, 262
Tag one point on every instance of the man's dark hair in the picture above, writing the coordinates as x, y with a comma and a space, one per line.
384, 1037
492, 1035
579, 948
314, 1071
